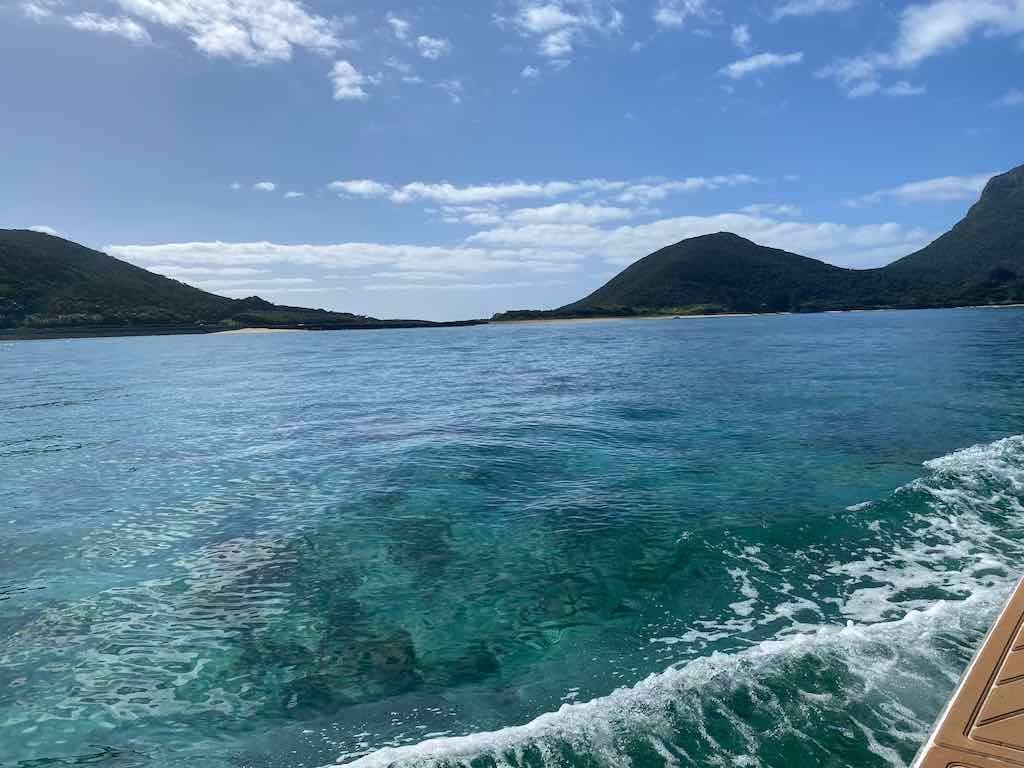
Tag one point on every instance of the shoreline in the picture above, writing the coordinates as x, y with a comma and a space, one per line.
582, 320
990, 306
248, 331
111, 333
122, 331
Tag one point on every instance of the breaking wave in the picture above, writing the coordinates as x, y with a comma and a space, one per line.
868, 636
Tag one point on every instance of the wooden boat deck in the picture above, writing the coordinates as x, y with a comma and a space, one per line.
983, 727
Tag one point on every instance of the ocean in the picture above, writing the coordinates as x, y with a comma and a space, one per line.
752, 541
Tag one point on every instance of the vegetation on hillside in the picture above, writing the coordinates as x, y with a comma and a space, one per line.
51, 286
980, 261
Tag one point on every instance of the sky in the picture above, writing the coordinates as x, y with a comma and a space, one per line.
452, 159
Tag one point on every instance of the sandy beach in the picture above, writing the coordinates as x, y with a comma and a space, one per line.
248, 331
583, 320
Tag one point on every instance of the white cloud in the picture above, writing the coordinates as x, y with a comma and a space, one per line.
448, 286
348, 255
45, 230
857, 76
264, 186
251, 286
674, 13
432, 48
741, 37
647, 192
530, 72
454, 87
515, 243
903, 88
184, 273
252, 30
759, 63
360, 188
841, 244
926, 30
398, 65
781, 210
37, 11
351, 256
235, 185
415, 277
812, 7
445, 193
477, 219
941, 189
540, 18
1012, 98
294, 195
857, 89
120, 26
559, 26
562, 213
348, 82
450, 194
399, 26
405, 71
569, 213
476, 215
271, 292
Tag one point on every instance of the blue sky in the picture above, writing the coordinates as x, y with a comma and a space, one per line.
453, 159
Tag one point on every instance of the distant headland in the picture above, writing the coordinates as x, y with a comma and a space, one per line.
53, 288
979, 262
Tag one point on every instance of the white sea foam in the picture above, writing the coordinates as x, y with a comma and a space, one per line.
746, 587
972, 501
597, 725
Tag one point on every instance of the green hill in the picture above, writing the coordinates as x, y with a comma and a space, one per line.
48, 280
980, 261
53, 287
50, 286
721, 272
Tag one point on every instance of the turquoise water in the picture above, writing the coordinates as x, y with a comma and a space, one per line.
706, 542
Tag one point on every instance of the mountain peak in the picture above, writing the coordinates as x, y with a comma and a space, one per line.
981, 261
714, 240
252, 303
722, 237
50, 286
1005, 187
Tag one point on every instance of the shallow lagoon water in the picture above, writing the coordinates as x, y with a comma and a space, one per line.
760, 541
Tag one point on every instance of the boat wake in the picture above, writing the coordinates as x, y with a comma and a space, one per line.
898, 616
